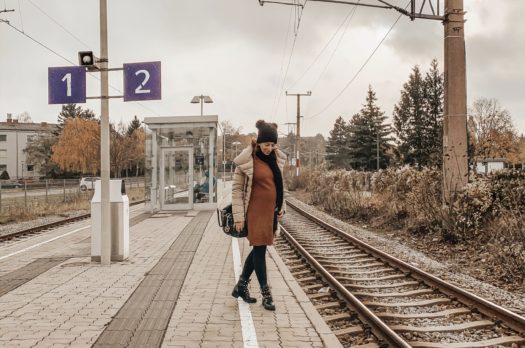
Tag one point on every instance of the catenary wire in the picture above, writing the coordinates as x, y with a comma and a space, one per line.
57, 23
354, 9
20, 12
288, 66
282, 63
322, 50
358, 71
36, 41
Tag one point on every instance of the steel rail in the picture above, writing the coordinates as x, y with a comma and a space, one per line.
471, 300
51, 225
378, 327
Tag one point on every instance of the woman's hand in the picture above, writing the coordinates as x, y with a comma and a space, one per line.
281, 214
239, 226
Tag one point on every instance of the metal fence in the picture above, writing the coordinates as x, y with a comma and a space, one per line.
26, 194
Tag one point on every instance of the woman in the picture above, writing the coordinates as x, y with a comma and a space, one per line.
258, 201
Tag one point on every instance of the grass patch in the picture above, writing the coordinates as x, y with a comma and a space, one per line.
20, 209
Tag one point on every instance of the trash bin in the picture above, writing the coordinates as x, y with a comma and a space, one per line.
119, 212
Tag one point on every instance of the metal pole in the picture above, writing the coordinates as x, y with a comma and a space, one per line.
202, 104
46, 190
223, 158
377, 149
105, 245
455, 161
25, 194
298, 138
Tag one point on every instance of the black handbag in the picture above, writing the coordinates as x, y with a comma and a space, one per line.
225, 219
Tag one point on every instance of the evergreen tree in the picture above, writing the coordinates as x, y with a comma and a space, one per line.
72, 111
368, 134
418, 119
434, 94
135, 124
336, 148
408, 121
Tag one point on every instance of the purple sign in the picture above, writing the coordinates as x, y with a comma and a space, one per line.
66, 85
142, 81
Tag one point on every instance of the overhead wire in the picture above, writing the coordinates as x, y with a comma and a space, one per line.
358, 71
20, 12
289, 61
354, 10
57, 23
36, 41
323, 49
282, 62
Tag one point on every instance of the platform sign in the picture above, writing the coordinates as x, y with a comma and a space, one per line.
142, 81
66, 85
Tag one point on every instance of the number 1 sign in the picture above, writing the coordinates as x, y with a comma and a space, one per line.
142, 81
67, 85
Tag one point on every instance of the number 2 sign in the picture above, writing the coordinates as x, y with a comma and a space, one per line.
67, 85
142, 81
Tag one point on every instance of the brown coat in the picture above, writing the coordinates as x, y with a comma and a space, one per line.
242, 181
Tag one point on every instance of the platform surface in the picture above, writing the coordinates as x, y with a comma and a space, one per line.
173, 291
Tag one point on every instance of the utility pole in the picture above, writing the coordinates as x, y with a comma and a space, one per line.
298, 133
291, 127
455, 161
105, 247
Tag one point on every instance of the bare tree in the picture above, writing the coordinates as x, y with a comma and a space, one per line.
24, 117
493, 130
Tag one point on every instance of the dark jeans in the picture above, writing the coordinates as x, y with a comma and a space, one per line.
256, 260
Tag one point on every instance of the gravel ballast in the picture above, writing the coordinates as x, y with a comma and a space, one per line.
514, 301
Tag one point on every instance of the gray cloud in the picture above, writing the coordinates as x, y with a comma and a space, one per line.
233, 50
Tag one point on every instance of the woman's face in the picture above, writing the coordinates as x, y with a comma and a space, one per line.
267, 147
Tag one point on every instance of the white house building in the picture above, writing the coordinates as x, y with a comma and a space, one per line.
489, 165
14, 137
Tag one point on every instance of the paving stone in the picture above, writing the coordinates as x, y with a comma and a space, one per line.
174, 291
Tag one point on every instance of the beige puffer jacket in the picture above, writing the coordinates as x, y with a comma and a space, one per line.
242, 181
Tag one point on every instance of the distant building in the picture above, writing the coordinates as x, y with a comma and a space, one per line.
489, 165
14, 137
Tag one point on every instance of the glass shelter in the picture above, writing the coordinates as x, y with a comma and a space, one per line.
181, 156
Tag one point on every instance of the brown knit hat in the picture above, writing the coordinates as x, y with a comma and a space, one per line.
267, 132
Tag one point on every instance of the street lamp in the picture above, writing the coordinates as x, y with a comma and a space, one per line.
236, 143
201, 99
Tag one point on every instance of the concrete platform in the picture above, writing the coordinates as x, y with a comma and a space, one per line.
174, 291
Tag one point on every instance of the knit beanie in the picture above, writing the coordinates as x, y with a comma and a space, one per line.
267, 132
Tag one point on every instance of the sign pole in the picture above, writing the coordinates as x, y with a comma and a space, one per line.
105, 252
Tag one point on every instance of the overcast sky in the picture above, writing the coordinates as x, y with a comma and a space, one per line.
237, 52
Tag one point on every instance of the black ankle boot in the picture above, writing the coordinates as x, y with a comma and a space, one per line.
267, 300
241, 289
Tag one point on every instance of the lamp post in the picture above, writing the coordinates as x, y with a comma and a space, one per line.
231, 163
201, 99
236, 143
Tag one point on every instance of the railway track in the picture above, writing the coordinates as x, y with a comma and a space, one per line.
370, 298
29, 232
